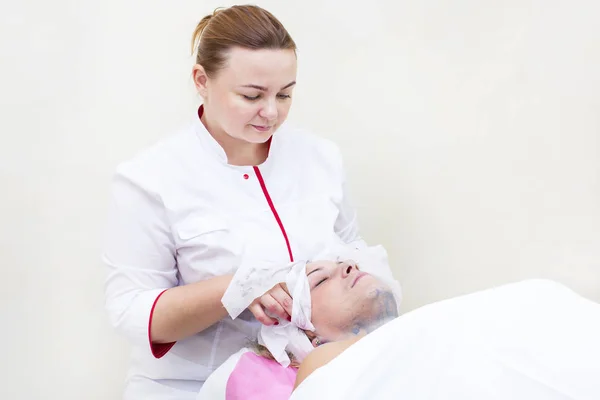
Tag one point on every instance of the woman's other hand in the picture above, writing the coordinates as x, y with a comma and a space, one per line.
276, 302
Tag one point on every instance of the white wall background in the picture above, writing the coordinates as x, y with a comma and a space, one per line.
471, 130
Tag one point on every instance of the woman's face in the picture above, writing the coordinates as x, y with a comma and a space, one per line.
251, 96
344, 299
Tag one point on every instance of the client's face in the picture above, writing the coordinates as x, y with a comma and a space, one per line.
346, 300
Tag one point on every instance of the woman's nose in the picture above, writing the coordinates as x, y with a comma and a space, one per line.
269, 111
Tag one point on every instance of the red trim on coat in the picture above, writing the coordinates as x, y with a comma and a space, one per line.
274, 211
158, 349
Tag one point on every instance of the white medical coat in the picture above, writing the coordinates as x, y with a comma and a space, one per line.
180, 214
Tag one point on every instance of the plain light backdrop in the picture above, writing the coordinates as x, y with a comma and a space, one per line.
470, 130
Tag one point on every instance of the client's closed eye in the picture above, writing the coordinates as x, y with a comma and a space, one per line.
321, 281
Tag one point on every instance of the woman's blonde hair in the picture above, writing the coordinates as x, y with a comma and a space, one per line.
246, 26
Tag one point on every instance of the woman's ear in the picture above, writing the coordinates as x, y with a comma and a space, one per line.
200, 80
313, 338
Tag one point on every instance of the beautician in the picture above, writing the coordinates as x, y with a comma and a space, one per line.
234, 186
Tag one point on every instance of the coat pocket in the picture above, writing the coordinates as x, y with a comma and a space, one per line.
195, 226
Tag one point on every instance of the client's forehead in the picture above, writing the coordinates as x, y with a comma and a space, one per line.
315, 265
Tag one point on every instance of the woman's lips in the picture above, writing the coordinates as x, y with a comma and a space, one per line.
261, 128
358, 276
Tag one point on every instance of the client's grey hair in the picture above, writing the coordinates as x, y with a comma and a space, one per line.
387, 310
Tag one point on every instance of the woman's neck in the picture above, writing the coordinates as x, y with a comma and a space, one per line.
238, 151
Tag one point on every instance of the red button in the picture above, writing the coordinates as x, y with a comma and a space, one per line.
246, 176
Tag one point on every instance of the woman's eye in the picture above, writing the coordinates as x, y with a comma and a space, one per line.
279, 96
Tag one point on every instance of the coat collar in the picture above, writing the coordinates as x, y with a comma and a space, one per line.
214, 148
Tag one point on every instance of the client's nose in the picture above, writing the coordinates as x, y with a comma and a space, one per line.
346, 269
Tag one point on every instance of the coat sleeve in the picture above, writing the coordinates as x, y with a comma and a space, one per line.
140, 255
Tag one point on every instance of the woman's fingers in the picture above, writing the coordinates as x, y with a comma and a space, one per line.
281, 296
283, 286
273, 305
257, 310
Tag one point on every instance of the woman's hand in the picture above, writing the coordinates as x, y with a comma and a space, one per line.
277, 302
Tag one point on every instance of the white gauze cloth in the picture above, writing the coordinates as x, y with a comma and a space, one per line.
290, 335
252, 281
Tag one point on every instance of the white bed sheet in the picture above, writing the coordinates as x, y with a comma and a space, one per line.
534, 340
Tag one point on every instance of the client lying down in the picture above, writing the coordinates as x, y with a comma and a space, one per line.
345, 303
529, 340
